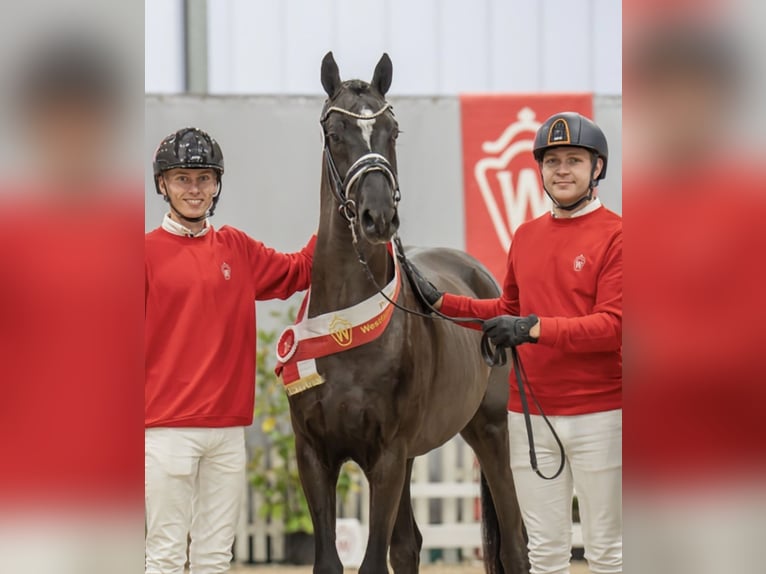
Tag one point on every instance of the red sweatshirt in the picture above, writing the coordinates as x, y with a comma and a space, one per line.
569, 273
200, 322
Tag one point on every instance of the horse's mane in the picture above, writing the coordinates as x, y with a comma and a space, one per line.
359, 87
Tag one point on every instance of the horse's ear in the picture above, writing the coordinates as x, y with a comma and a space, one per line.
330, 74
381, 79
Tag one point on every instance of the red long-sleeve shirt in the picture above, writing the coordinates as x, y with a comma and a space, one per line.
569, 273
200, 328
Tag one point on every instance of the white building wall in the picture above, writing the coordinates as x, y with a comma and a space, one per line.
439, 47
164, 64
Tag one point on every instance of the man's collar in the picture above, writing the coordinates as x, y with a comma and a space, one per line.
172, 226
594, 204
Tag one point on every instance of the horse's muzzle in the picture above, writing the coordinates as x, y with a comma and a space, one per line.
379, 226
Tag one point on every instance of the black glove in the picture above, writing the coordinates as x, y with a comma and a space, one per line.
510, 331
430, 293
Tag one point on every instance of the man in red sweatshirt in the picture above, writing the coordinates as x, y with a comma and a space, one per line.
201, 288
563, 293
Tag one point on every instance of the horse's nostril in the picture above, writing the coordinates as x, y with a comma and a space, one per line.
367, 221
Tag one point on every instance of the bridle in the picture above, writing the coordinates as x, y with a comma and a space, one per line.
369, 162
341, 186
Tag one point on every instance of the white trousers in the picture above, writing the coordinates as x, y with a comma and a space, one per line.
593, 448
194, 484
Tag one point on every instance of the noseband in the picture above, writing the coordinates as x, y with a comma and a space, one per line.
369, 162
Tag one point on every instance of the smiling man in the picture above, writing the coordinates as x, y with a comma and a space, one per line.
200, 334
563, 292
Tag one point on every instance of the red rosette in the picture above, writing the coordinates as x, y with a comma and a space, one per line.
287, 345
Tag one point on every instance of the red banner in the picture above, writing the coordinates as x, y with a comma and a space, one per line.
501, 178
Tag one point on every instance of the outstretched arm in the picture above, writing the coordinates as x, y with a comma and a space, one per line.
506, 304
279, 275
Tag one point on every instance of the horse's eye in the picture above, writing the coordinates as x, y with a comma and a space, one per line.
334, 138
395, 134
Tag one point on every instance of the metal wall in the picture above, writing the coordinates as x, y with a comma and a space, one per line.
272, 149
439, 47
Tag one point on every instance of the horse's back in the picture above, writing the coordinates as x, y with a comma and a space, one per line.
454, 271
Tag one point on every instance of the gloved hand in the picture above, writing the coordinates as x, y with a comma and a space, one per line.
510, 331
430, 293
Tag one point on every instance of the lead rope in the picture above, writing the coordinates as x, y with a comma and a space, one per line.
521, 375
493, 357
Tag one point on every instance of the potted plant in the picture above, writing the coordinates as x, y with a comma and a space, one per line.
273, 468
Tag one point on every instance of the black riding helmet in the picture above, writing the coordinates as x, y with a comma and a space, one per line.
190, 148
572, 129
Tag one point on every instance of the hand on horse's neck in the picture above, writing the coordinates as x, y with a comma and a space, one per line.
338, 279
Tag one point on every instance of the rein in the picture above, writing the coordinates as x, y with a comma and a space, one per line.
493, 357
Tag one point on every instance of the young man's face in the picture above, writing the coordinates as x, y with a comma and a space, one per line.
566, 172
191, 191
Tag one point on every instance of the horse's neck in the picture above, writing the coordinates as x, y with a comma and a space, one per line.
338, 279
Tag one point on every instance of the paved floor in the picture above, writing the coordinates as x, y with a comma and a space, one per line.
577, 568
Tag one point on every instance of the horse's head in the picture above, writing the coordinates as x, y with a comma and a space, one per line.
360, 134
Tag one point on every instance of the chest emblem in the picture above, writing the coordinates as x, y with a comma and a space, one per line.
226, 270
579, 262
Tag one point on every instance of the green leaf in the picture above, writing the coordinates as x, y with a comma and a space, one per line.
278, 511
293, 524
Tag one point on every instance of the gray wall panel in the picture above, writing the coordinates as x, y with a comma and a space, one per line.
273, 150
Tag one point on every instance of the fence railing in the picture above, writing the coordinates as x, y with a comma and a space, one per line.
445, 498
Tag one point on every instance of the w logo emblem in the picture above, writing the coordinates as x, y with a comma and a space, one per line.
508, 179
341, 331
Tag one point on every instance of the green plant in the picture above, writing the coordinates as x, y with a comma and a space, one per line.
273, 470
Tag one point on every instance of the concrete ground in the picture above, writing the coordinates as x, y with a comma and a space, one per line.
577, 568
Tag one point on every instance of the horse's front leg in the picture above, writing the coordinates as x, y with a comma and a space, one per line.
406, 540
386, 478
318, 478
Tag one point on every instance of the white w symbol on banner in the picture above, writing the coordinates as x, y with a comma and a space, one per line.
526, 196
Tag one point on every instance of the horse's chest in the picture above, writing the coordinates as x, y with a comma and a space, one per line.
365, 367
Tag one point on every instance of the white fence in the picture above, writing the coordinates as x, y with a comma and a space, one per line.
445, 499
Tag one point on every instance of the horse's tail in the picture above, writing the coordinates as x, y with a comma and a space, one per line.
490, 531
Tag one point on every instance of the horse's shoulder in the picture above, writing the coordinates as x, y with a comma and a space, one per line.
439, 255
453, 269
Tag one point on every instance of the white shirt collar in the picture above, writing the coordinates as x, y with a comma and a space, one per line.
590, 208
172, 226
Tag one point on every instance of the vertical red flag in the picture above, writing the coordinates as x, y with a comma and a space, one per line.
501, 180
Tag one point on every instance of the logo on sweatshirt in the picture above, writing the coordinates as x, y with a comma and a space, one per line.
226, 270
579, 262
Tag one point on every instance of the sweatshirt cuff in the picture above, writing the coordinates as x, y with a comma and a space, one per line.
549, 331
450, 305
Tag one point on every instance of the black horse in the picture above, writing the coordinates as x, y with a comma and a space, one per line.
417, 385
